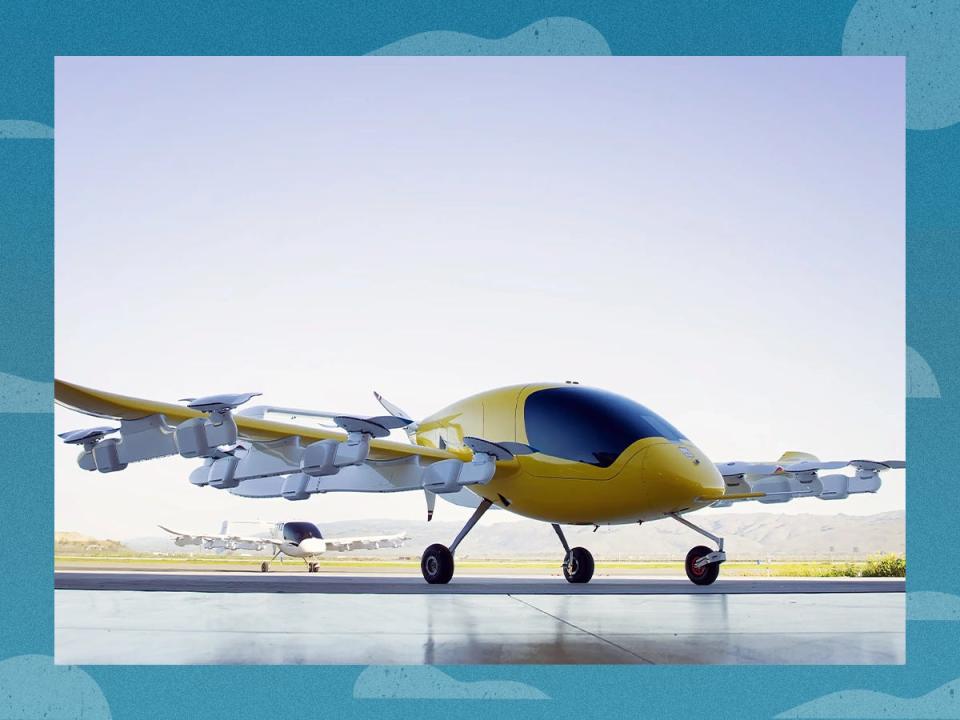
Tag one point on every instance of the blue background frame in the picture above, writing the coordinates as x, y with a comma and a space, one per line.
31, 34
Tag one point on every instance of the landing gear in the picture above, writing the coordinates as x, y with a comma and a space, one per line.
436, 563
265, 565
577, 562
701, 574
702, 563
313, 567
578, 566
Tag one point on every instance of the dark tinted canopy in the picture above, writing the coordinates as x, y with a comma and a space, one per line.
589, 425
296, 532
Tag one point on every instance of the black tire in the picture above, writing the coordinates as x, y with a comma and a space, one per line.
703, 575
578, 567
264, 566
436, 564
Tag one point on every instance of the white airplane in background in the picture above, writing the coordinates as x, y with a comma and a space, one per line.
293, 539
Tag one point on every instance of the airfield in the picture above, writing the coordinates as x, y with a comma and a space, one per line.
181, 616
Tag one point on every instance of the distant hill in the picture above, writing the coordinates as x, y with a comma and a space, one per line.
72, 543
755, 536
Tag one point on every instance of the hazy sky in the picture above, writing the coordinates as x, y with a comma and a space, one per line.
718, 238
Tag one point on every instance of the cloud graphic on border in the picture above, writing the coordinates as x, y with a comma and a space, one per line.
926, 32
921, 382
19, 395
31, 687
24, 130
939, 704
933, 606
550, 36
424, 682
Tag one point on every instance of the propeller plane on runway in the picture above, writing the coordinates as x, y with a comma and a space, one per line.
561, 453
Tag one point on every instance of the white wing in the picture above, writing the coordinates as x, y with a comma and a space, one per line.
782, 481
221, 542
250, 455
346, 544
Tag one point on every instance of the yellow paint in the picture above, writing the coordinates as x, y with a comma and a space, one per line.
796, 456
744, 496
652, 477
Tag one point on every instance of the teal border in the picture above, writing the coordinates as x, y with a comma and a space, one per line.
32, 33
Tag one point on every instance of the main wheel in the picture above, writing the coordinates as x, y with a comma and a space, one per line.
705, 574
436, 564
264, 566
578, 566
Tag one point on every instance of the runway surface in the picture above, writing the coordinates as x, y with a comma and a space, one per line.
225, 618
94, 626
239, 582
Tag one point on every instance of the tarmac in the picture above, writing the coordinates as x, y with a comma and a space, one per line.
407, 584
253, 618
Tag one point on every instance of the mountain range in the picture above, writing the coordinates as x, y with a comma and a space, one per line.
754, 536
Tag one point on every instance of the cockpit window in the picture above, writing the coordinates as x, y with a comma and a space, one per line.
588, 425
297, 532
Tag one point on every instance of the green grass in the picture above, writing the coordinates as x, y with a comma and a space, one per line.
882, 566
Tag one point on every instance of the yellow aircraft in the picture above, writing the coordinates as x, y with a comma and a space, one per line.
562, 453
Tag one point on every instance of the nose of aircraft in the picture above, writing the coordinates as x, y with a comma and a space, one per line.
678, 476
312, 546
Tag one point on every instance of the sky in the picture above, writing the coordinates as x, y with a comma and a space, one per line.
721, 239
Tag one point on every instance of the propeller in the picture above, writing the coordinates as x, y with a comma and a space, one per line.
396, 410
501, 451
878, 465
218, 403
747, 468
87, 435
813, 465
378, 426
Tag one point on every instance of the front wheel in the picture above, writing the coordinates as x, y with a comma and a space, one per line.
264, 566
578, 566
436, 564
705, 574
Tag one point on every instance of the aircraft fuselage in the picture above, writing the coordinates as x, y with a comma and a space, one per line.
602, 459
